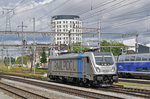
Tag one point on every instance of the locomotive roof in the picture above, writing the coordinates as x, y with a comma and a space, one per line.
75, 55
102, 53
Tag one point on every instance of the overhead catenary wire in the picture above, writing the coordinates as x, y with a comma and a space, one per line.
110, 9
94, 8
129, 15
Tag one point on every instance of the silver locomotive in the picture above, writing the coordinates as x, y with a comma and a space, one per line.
89, 68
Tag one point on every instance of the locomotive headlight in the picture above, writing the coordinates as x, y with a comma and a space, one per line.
98, 70
113, 69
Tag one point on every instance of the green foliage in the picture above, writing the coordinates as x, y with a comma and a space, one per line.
7, 60
44, 58
19, 60
37, 65
114, 50
77, 48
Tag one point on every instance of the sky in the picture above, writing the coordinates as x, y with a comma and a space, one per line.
115, 16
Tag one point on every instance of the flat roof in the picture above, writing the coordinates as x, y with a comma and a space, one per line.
57, 17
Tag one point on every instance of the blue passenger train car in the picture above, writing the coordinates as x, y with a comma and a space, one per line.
131, 65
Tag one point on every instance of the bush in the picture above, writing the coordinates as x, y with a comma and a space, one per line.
37, 65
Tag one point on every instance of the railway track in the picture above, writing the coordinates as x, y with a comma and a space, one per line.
139, 81
117, 89
72, 91
20, 93
130, 91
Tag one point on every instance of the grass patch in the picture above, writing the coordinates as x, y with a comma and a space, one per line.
23, 71
126, 84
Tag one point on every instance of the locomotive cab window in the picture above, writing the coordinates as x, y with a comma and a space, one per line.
104, 60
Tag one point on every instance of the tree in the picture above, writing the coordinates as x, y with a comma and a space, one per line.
7, 60
19, 60
44, 58
114, 50
77, 47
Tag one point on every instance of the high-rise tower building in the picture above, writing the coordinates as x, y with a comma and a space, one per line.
66, 23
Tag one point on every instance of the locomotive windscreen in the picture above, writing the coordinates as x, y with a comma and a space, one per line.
104, 60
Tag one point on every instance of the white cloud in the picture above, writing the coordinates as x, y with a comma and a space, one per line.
32, 5
111, 14
129, 42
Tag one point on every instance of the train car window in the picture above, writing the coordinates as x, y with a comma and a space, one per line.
132, 58
144, 58
127, 58
138, 58
144, 69
149, 58
138, 69
121, 59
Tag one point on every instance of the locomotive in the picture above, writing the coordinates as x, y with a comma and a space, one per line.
88, 69
134, 65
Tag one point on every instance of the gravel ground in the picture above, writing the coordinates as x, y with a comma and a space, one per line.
45, 92
86, 89
4, 96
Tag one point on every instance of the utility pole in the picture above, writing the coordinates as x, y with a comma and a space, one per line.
99, 31
8, 28
34, 49
69, 41
8, 23
2, 52
136, 43
23, 40
10, 60
7, 58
